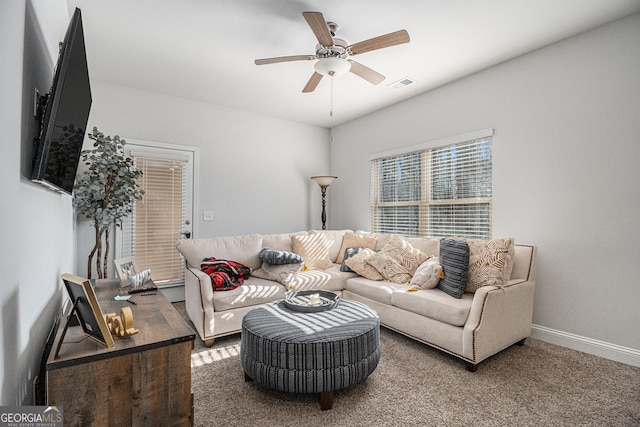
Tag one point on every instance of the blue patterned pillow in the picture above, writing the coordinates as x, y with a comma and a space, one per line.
454, 258
272, 256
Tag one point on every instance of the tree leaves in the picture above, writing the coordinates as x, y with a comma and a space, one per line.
106, 190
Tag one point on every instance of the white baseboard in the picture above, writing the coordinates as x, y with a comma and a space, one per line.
607, 350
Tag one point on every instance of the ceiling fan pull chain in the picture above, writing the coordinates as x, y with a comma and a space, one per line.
331, 111
331, 102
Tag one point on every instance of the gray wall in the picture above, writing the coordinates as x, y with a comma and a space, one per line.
37, 225
566, 174
253, 171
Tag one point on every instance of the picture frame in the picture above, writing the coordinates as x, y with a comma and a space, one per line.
126, 268
87, 310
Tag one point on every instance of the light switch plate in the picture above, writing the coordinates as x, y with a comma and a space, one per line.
208, 215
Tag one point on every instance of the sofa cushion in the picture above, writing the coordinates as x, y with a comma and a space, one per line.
382, 239
358, 263
427, 276
404, 254
334, 239
272, 256
430, 247
490, 262
374, 290
283, 273
282, 241
331, 279
242, 249
355, 240
389, 268
454, 258
254, 291
314, 249
435, 304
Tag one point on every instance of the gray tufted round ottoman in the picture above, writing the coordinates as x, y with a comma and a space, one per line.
310, 352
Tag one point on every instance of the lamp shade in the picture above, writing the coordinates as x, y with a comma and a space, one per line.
324, 180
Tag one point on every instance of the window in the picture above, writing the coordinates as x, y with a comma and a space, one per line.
439, 191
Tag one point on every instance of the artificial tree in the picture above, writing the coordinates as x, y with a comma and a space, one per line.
105, 192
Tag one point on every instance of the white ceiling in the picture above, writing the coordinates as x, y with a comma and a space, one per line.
204, 49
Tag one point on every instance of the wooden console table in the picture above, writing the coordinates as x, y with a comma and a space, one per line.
143, 380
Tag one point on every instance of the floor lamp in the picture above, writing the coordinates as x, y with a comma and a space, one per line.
324, 182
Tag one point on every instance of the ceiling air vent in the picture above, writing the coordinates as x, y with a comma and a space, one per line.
402, 83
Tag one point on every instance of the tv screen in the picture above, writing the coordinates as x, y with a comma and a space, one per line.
64, 121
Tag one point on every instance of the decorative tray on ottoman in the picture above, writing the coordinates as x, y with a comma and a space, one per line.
311, 301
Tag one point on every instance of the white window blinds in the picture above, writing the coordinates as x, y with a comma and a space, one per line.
397, 184
149, 235
434, 192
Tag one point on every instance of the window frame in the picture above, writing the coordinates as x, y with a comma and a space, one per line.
424, 203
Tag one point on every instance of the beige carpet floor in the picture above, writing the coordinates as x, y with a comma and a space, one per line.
538, 384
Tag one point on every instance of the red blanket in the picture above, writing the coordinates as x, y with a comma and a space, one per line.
225, 275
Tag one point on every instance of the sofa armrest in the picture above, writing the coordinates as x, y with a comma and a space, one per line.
198, 293
499, 317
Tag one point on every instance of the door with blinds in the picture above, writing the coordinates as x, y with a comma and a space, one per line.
164, 215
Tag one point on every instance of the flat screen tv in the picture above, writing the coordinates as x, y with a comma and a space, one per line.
66, 111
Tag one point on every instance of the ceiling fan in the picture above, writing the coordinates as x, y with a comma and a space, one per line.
333, 53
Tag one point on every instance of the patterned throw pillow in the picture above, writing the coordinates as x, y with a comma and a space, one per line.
355, 240
427, 276
314, 250
348, 253
454, 258
390, 269
283, 273
404, 254
272, 256
358, 263
490, 262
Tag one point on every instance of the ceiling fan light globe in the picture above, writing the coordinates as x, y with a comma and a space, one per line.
332, 66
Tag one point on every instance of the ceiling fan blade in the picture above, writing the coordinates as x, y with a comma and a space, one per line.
265, 61
312, 83
319, 27
366, 73
387, 40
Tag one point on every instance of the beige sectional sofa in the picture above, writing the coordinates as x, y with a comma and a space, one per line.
473, 327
